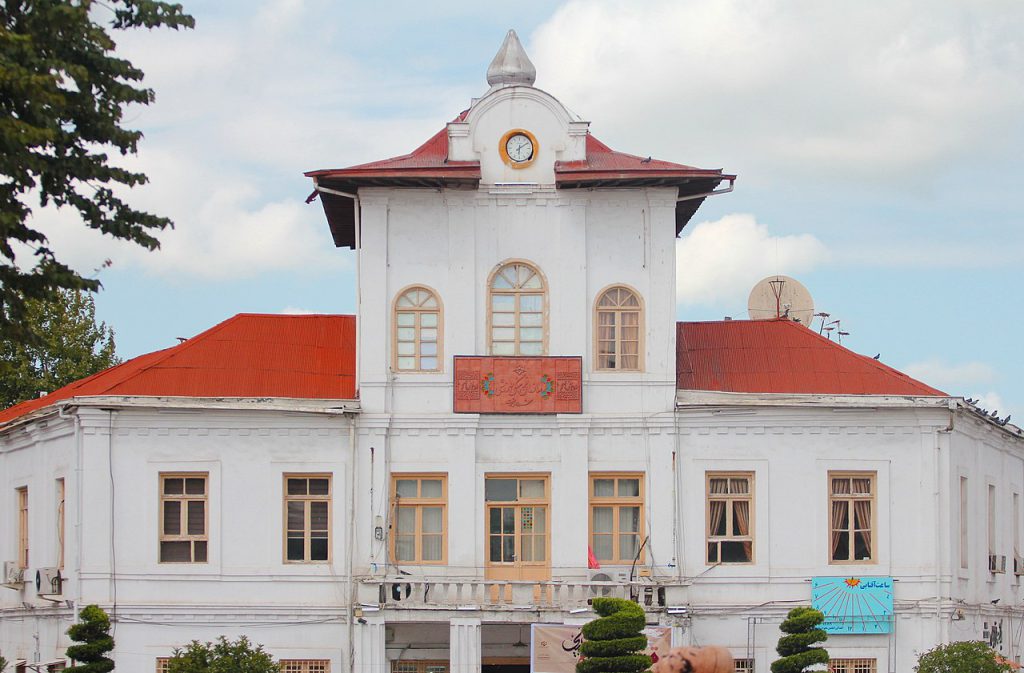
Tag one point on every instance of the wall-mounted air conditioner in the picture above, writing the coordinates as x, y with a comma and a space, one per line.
49, 582
996, 563
14, 575
1018, 565
605, 576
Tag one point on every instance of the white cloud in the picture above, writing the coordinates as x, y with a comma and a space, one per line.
954, 378
991, 402
777, 90
722, 260
293, 310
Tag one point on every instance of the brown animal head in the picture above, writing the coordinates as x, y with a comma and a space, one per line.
695, 660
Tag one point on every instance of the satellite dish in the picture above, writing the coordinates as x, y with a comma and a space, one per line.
781, 297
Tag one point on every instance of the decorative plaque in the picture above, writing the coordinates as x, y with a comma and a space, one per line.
518, 385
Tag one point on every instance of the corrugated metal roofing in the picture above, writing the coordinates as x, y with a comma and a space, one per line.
249, 355
602, 160
780, 356
428, 166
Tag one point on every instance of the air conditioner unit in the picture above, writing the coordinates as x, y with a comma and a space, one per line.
1018, 565
49, 582
996, 563
605, 576
14, 574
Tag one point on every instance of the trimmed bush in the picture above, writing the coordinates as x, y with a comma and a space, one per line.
613, 641
93, 631
801, 625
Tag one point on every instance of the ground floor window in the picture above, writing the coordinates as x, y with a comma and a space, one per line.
744, 665
305, 666
162, 664
418, 667
853, 666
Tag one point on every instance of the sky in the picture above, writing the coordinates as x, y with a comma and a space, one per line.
878, 146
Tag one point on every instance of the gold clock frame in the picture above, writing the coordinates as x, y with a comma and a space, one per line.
502, 149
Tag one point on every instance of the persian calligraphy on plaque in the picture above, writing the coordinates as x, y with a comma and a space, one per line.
518, 385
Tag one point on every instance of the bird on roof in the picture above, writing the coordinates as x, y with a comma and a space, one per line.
877, 356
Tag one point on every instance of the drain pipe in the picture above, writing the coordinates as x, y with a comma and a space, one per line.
941, 433
62, 412
726, 190
357, 226
350, 542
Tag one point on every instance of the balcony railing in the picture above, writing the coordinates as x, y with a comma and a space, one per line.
409, 593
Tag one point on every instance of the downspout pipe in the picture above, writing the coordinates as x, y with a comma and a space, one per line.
62, 412
713, 192
357, 226
350, 541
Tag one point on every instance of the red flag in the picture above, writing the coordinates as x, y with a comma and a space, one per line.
592, 560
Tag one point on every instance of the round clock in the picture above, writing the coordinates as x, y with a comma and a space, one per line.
518, 148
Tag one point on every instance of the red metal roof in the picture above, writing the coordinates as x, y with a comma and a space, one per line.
780, 356
603, 163
428, 166
249, 355
429, 160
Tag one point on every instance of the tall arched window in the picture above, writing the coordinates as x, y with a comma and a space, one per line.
417, 331
518, 316
619, 323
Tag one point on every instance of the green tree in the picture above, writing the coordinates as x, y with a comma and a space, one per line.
67, 345
801, 625
63, 93
93, 631
613, 642
224, 656
965, 657
3, 665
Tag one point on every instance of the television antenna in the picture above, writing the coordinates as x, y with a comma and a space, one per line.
783, 297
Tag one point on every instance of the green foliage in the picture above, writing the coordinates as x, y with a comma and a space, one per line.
224, 656
3, 665
63, 93
68, 345
801, 625
613, 641
966, 657
93, 631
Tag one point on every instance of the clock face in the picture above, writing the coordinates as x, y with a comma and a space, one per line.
519, 148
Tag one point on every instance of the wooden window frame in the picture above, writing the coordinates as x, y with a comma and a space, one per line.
520, 501
23, 539
848, 665
618, 311
615, 502
61, 499
307, 532
420, 665
517, 293
851, 519
744, 665
419, 503
729, 499
162, 664
418, 312
305, 665
184, 498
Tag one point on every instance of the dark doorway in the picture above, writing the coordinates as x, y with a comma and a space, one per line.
505, 668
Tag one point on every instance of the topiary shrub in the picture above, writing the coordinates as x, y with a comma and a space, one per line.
93, 631
967, 657
612, 643
795, 649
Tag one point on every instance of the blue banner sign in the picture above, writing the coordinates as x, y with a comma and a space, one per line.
853, 604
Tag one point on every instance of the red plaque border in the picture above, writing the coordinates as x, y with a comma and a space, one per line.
517, 385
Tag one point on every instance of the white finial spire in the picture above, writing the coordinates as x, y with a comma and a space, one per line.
511, 65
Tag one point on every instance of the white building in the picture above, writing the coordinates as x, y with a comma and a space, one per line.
383, 511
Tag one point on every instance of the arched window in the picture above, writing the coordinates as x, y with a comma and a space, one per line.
518, 316
417, 331
619, 323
